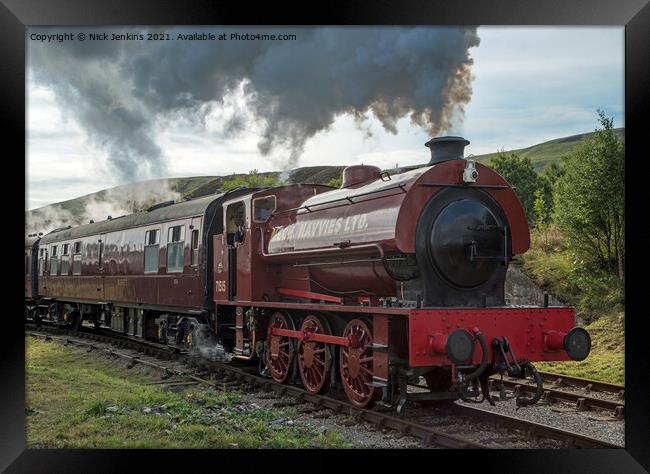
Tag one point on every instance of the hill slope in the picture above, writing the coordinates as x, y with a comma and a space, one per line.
139, 196
545, 153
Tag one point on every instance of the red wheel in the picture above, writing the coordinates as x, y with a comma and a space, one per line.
314, 357
279, 349
356, 364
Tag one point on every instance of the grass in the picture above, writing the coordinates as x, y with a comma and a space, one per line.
548, 152
598, 299
80, 400
553, 267
606, 362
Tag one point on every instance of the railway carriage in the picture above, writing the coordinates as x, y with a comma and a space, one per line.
143, 274
369, 287
31, 269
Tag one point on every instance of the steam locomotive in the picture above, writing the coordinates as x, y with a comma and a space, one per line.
371, 286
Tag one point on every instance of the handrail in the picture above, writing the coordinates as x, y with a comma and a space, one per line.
459, 185
345, 198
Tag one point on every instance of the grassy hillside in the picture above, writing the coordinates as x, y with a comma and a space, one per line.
547, 152
139, 196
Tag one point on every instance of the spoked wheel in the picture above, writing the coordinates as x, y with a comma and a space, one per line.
279, 349
356, 364
314, 358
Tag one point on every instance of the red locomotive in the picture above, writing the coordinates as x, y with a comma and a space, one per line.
370, 286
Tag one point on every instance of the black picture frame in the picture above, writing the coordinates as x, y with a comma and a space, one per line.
633, 14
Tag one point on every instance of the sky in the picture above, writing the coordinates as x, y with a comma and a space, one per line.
528, 85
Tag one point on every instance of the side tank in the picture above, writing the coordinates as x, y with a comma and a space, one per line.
363, 239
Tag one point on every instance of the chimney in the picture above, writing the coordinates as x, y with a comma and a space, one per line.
446, 148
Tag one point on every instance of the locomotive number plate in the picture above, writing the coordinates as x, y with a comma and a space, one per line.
220, 285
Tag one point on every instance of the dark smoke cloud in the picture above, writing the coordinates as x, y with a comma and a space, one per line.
119, 91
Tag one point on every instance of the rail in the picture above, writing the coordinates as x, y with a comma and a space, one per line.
233, 376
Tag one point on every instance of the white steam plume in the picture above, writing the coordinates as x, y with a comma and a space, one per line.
112, 202
120, 90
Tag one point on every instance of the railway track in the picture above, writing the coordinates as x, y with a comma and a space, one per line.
233, 376
585, 394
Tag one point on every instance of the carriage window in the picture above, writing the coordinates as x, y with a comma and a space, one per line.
65, 264
41, 262
175, 247
151, 246
152, 237
195, 247
65, 259
76, 259
76, 264
54, 250
26, 265
263, 208
54, 260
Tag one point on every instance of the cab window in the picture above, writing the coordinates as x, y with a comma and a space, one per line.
235, 223
263, 208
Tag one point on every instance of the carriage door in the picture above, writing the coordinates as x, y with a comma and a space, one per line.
100, 267
195, 243
235, 222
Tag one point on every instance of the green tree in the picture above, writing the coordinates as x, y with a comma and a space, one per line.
519, 172
336, 182
590, 199
553, 172
252, 180
542, 213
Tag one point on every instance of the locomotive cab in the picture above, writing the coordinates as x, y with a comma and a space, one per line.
240, 277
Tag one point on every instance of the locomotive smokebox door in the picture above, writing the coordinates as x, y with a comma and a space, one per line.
463, 248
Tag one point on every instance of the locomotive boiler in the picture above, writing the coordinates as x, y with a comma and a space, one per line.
391, 277
432, 237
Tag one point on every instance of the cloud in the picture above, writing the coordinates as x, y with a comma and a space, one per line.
530, 85
292, 90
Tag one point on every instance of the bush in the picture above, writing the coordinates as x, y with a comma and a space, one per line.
336, 182
556, 268
252, 180
521, 175
590, 200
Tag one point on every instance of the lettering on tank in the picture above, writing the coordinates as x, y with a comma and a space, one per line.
321, 228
